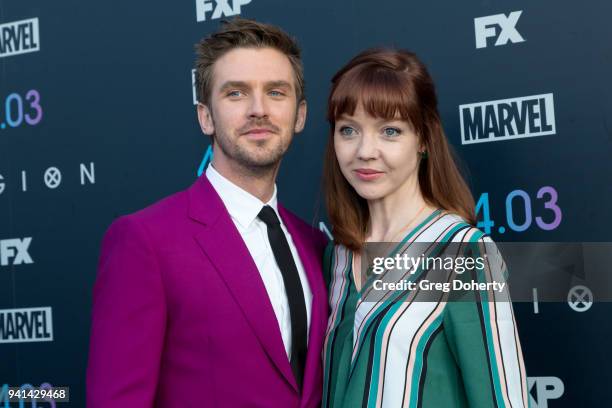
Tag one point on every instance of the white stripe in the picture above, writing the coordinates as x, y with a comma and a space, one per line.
505, 328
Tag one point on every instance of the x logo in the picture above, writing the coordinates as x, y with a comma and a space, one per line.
580, 298
53, 177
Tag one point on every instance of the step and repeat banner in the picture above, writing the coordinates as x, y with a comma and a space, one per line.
98, 119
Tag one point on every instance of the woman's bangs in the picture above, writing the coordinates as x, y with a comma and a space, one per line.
381, 92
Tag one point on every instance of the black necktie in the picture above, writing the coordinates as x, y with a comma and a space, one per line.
293, 287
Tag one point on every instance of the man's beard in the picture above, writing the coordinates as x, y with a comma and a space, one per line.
262, 161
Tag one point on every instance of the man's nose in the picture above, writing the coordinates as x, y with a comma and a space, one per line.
257, 107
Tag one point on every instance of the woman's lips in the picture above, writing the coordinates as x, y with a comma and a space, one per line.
368, 174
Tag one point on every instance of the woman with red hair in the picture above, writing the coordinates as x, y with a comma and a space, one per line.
390, 176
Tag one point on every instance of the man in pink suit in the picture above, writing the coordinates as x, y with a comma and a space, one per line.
214, 296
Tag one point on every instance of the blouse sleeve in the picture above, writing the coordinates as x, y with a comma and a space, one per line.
481, 331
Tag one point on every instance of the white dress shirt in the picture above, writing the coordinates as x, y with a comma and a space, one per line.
243, 208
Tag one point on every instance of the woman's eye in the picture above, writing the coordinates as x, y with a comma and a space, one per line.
347, 131
392, 131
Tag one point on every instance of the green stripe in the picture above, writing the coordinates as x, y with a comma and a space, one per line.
418, 362
374, 383
371, 278
486, 317
403, 241
377, 351
332, 330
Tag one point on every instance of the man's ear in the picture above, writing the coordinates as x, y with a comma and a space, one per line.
300, 119
205, 118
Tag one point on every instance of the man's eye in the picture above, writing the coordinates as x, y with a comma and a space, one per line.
276, 93
234, 93
347, 131
390, 131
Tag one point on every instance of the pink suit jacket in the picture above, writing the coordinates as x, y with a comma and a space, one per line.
181, 317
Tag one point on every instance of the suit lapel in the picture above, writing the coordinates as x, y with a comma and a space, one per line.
221, 242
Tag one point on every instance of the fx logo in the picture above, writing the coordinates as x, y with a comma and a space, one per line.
219, 8
485, 27
542, 389
15, 249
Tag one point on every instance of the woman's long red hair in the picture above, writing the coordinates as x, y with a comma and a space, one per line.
390, 83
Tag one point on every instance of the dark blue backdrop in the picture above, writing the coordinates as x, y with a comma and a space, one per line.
97, 120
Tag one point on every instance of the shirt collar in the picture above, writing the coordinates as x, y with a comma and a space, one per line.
241, 205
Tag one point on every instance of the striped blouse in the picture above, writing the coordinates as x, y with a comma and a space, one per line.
426, 353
